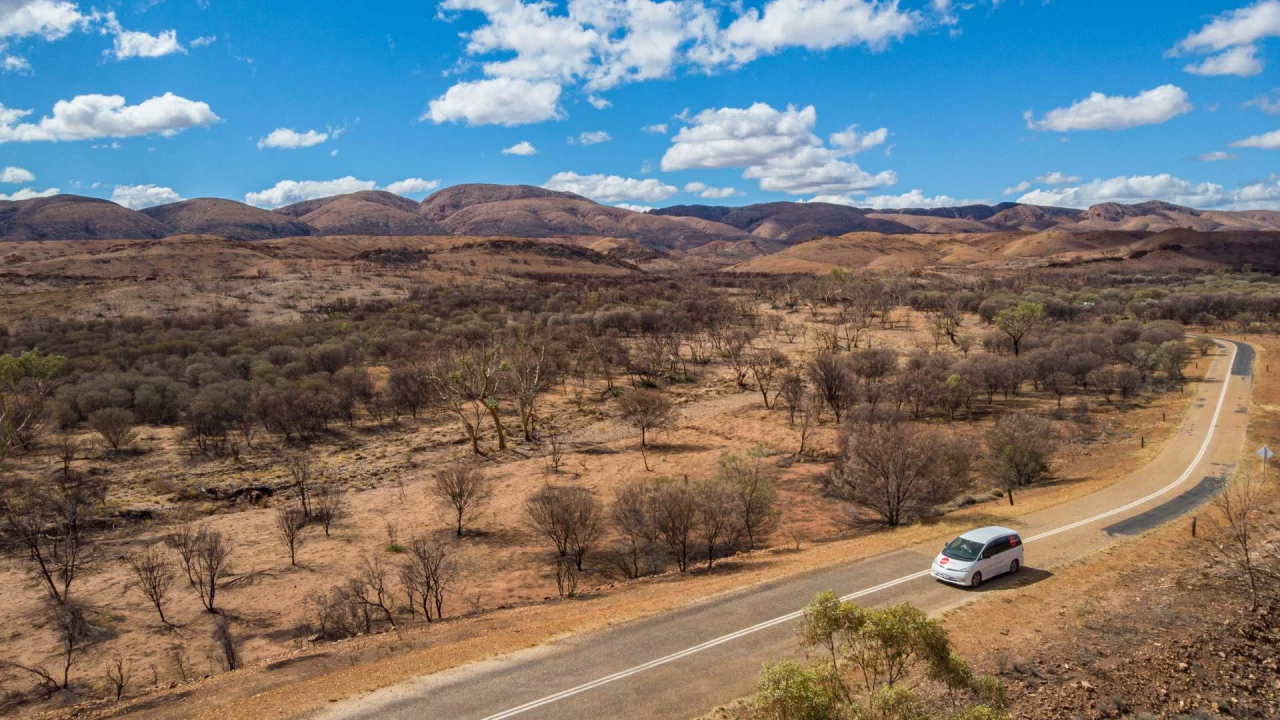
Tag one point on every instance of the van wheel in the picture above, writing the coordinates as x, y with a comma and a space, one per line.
976, 581
1014, 567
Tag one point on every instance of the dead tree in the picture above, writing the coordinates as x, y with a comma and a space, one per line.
185, 540
328, 505
302, 473
290, 524
429, 573
210, 562
464, 492
154, 574
371, 586
570, 517
119, 673
50, 523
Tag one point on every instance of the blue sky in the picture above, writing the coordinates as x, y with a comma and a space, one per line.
644, 103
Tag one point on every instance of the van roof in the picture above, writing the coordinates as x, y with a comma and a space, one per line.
988, 534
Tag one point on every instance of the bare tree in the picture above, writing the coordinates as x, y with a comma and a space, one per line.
809, 409
328, 505
290, 524
464, 491
154, 574
791, 390
302, 472
75, 634
50, 522
645, 410
210, 561
371, 586
898, 470
751, 478
566, 575
631, 516
185, 540
115, 425
765, 366
225, 642
833, 377
674, 512
119, 673
429, 573
1020, 448
570, 517
552, 447
718, 521
1238, 537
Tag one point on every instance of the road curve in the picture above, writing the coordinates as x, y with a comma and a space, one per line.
683, 663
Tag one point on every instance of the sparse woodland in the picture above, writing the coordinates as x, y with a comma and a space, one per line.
907, 397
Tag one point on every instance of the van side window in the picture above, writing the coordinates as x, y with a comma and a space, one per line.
996, 547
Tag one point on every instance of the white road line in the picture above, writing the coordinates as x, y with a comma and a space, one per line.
534, 704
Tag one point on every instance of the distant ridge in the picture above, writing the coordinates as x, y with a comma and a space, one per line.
527, 211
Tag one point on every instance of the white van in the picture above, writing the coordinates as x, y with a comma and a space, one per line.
979, 555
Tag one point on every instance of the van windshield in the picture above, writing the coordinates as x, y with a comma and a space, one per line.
961, 549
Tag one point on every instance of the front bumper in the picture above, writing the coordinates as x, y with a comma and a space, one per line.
950, 576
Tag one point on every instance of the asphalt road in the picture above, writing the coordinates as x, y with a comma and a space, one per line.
683, 663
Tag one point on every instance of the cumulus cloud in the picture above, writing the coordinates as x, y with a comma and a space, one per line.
30, 194
412, 186
598, 102
912, 199
1216, 156
611, 188
16, 175
290, 139
87, 117
1049, 178
524, 147
855, 142
497, 101
137, 197
1234, 37
1263, 195
287, 192
594, 137
132, 44
703, 190
13, 63
204, 41
1102, 112
777, 148
656, 128
47, 19
634, 208
1267, 141
599, 44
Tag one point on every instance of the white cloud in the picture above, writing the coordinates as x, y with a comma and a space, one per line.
47, 19
137, 197
1233, 35
14, 63
594, 138
204, 40
599, 44
1267, 141
912, 199
656, 128
287, 192
777, 148
705, 191
1242, 61
1267, 102
87, 117
16, 175
498, 101
290, 139
1057, 178
1217, 156
855, 142
1264, 195
524, 147
634, 208
412, 186
811, 24
132, 44
1101, 112
598, 102
29, 194
1021, 187
610, 188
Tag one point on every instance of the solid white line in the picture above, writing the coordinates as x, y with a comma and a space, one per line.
534, 704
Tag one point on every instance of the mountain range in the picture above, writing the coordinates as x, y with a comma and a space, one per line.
525, 211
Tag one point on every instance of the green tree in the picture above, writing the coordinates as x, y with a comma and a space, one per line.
26, 382
1019, 320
